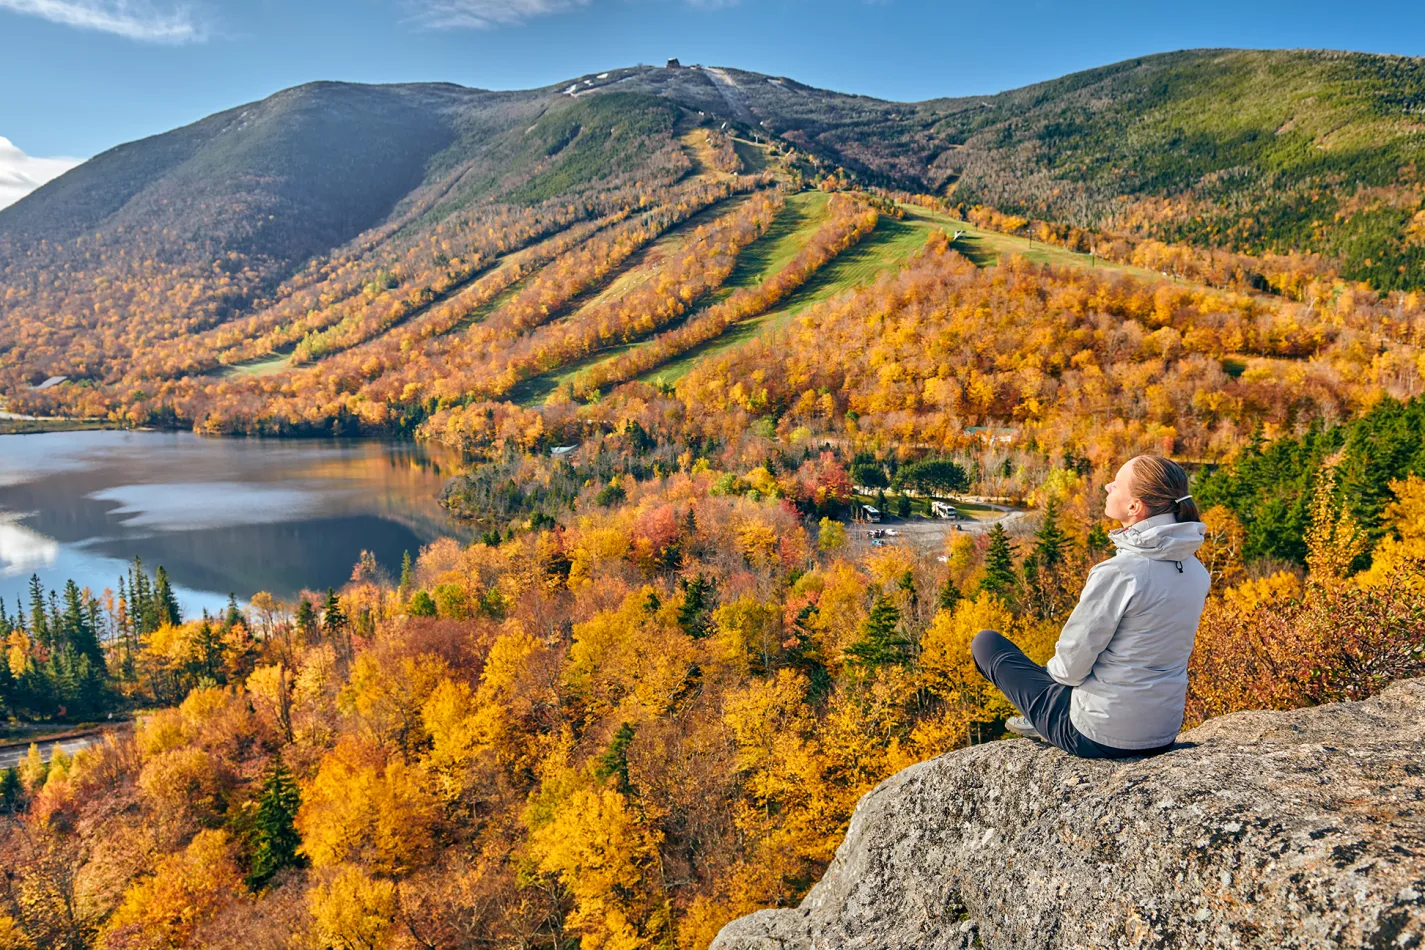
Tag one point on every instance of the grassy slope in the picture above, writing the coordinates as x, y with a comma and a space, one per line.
802, 215
888, 247
636, 271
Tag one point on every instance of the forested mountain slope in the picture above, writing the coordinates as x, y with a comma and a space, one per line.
341, 257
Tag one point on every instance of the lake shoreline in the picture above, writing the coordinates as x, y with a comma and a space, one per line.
231, 515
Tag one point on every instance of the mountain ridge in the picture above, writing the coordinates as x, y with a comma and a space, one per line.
326, 216
1236, 148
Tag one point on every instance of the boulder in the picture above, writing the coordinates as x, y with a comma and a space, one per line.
1303, 828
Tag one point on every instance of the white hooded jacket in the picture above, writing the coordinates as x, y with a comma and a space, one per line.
1125, 647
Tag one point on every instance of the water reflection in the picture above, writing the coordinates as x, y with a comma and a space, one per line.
221, 515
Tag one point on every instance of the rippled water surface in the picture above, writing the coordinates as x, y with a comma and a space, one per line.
221, 515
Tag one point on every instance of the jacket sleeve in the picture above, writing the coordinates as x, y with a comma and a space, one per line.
1092, 624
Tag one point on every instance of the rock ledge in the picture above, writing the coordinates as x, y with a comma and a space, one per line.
1260, 829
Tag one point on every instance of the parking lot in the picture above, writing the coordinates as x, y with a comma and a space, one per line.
926, 533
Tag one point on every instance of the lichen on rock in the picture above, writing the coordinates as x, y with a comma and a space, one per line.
1303, 828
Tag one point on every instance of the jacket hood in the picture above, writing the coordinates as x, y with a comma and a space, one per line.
1160, 538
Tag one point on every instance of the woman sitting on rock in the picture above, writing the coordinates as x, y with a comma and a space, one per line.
1117, 682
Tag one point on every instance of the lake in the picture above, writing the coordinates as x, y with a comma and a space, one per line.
220, 515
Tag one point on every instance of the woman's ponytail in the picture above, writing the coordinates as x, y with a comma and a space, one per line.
1162, 485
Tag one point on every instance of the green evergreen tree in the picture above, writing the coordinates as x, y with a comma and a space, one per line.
1098, 538
39, 622
407, 577
165, 603
10, 789
614, 760
902, 506
948, 595
144, 608
695, 613
64, 680
274, 835
999, 564
91, 686
306, 619
208, 650
333, 617
1050, 540
77, 626
9, 692
233, 615
881, 643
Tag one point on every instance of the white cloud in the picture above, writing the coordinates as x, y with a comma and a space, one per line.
485, 14
21, 174
132, 19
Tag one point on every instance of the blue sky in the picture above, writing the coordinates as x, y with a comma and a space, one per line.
84, 75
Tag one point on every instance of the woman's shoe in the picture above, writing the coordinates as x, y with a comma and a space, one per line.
1021, 726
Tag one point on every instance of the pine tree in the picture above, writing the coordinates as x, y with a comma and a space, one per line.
233, 616
696, 609
9, 789
407, 577
145, 610
164, 601
1098, 538
77, 627
209, 647
306, 619
63, 677
948, 596
274, 836
1050, 540
8, 689
39, 623
999, 564
53, 623
91, 685
880, 644
614, 760
333, 618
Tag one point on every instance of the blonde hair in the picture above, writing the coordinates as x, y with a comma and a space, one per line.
1162, 486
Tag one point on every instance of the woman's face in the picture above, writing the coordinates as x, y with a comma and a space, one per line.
1120, 505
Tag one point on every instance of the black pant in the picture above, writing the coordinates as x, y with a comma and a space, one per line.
1043, 700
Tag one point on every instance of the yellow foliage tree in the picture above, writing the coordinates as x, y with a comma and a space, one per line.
1406, 538
608, 860
361, 809
161, 911
948, 669
352, 910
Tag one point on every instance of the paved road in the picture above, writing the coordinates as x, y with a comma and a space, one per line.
12, 755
